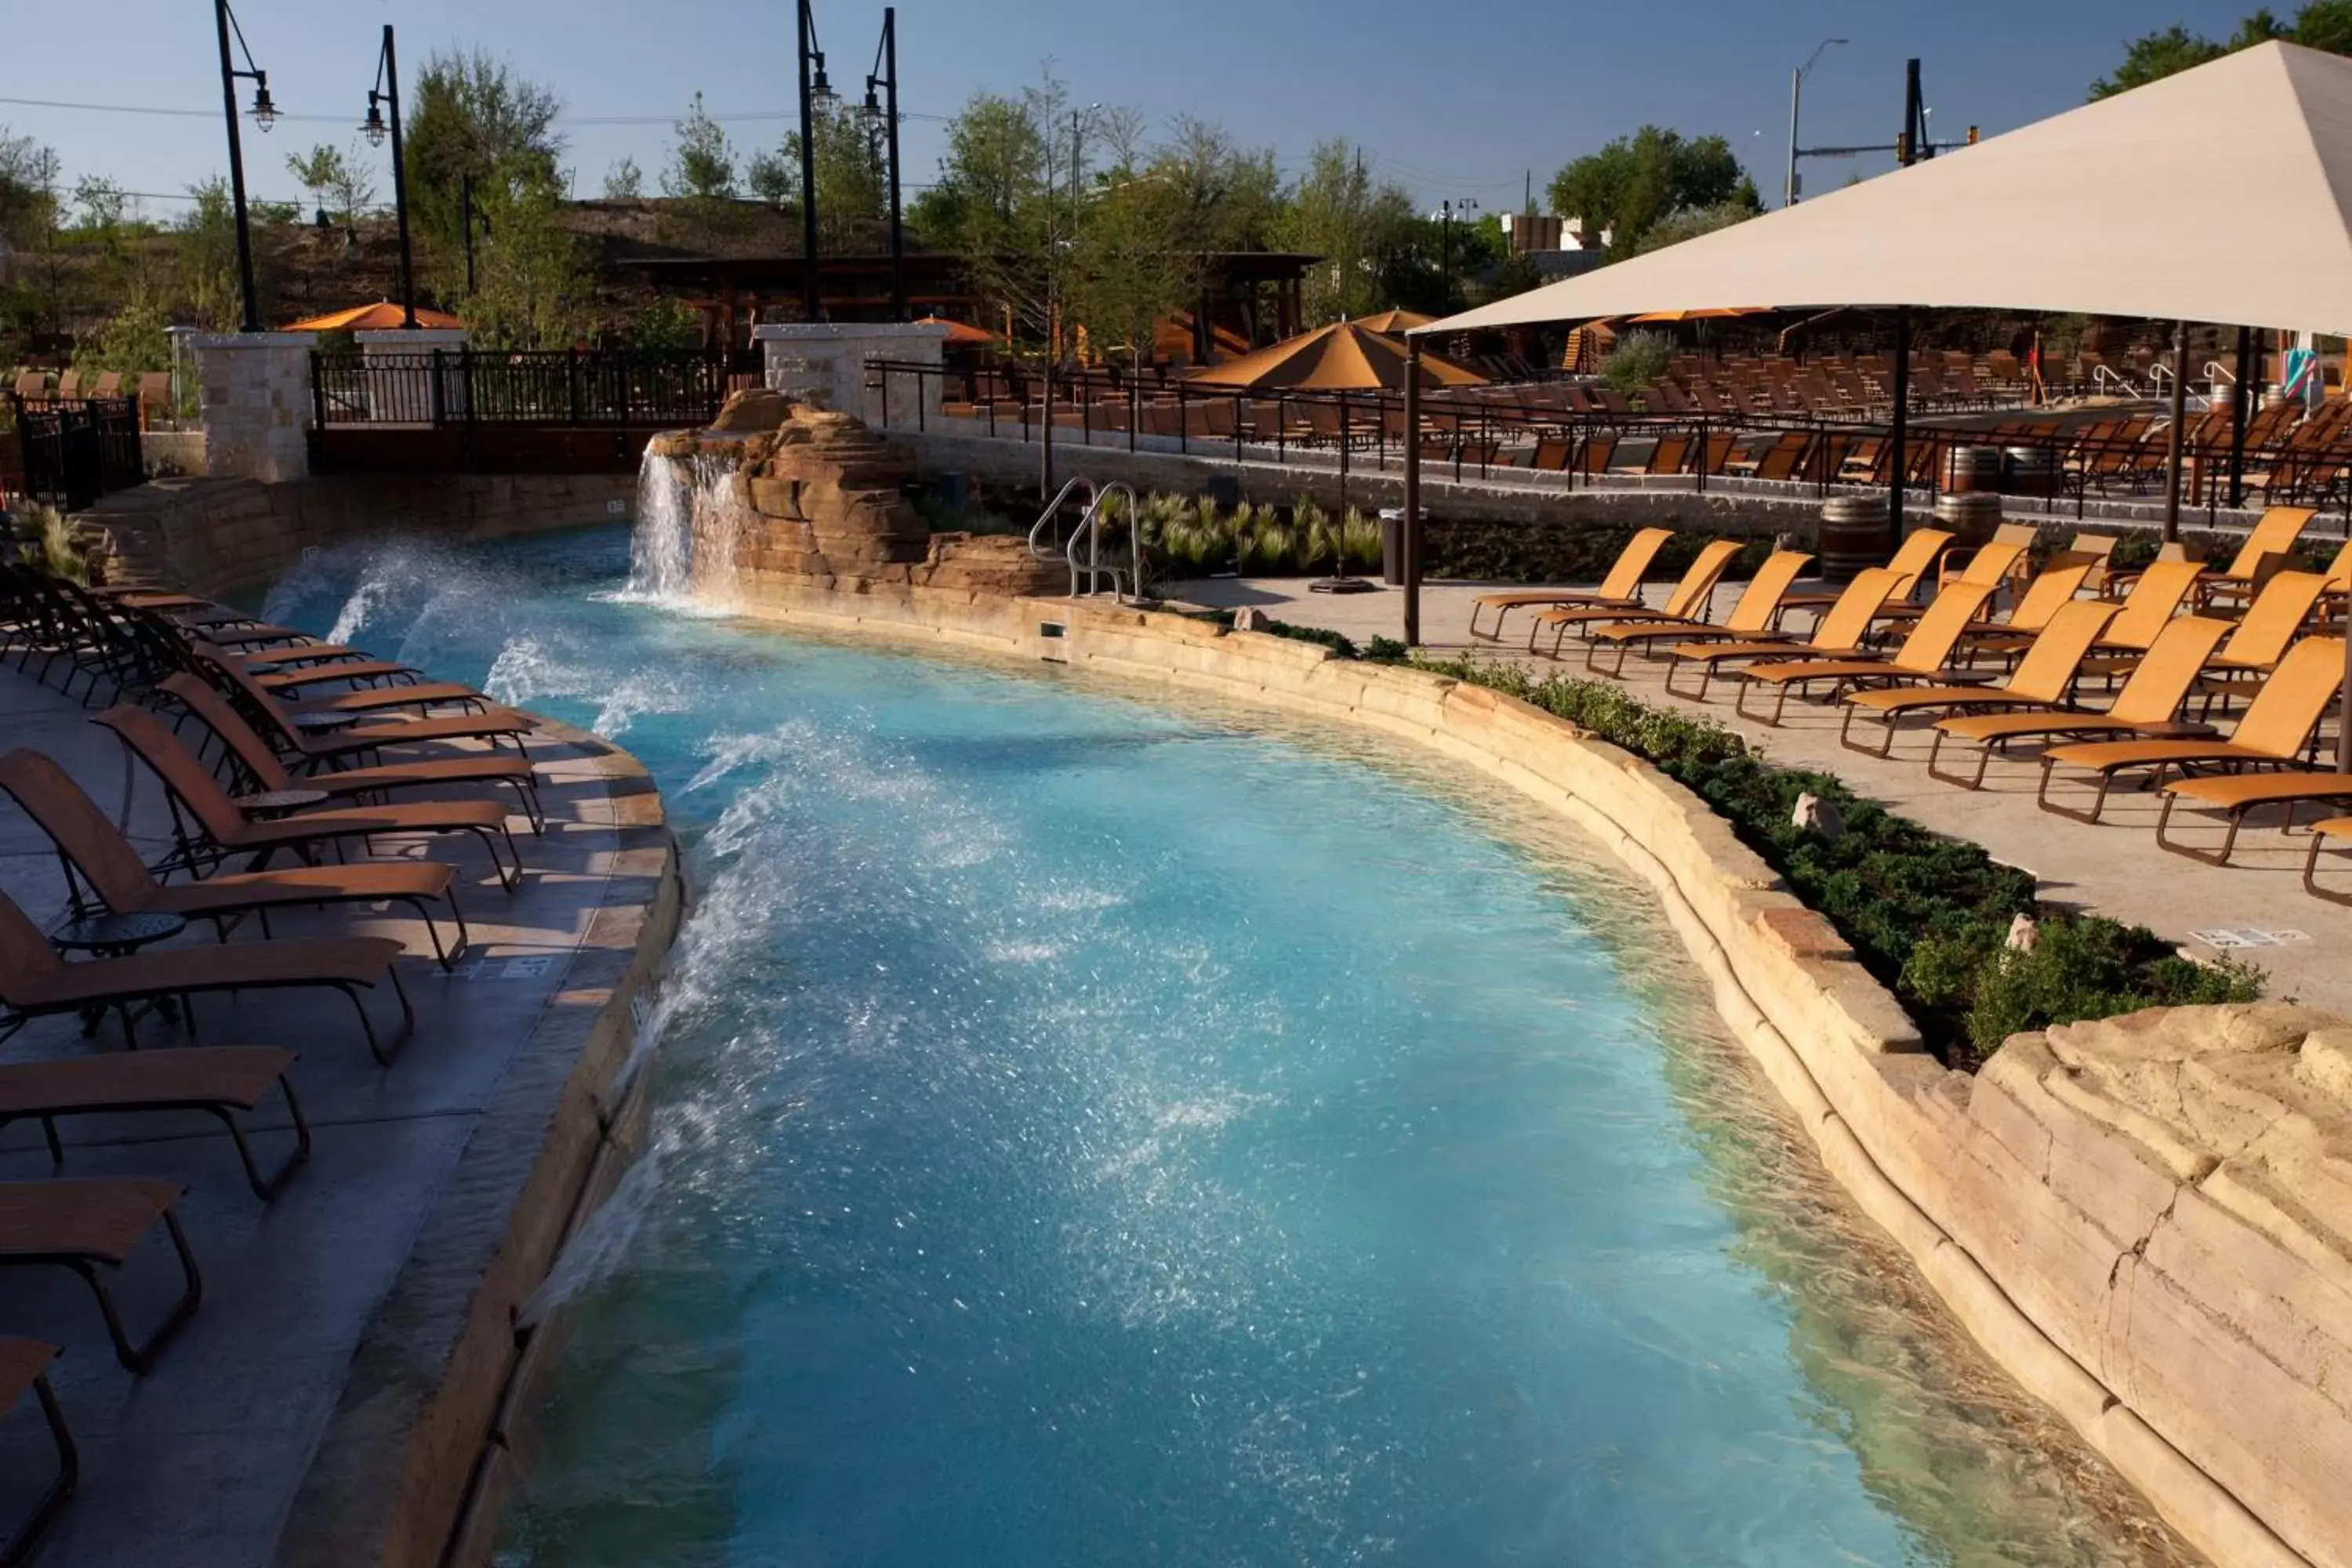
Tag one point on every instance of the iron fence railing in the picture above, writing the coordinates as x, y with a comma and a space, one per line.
632, 388
2059, 466
75, 451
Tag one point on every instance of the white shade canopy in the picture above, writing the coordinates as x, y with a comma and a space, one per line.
2218, 194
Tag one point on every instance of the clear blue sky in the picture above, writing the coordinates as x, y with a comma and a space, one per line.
1451, 101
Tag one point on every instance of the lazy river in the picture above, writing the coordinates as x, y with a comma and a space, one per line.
1090, 1132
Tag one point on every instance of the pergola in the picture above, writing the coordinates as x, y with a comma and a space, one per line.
2221, 194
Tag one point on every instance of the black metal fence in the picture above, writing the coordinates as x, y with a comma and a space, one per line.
2054, 465
74, 452
616, 388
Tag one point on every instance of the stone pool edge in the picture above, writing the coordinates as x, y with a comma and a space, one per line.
2233, 1449
419, 1454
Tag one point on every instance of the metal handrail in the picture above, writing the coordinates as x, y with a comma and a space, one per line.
1053, 510
1090, 530
2101, 374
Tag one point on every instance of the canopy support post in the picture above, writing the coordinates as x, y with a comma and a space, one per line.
2240, 395
2172, 442
1412, 530
1898, 460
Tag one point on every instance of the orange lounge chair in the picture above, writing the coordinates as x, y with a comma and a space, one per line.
1921, 549
2271, 623
2277, 726
1836, 635
2049, 592
80, 1223
2235, 794
1687, 601
1620, 587
2147, 703
2041, 679
215, 1079
1922, 657
253, 754
2270, 541
327, 740
210, 827
1751, 618
25, 1369
2321, 832
36, 983
97, 856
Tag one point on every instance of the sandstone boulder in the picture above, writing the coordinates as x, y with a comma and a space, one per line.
753, 409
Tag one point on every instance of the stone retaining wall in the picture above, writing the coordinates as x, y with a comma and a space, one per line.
219, 535
2188, 1309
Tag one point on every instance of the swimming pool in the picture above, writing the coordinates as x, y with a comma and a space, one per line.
1090, 1132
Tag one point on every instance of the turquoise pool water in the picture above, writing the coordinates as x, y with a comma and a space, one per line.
1089, 1133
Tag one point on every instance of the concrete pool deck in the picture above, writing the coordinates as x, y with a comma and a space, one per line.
337, 1399
2114, 868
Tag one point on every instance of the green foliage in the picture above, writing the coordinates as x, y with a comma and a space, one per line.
206, 242
1337, 211
624, 182
1689, 223
43, 538
134, 339
2320, 25
473, 115
340, 185
533, 289
1638, 360
1636, 182
1929, 916
28, 193
666, 323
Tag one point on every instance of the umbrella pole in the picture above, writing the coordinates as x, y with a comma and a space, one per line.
1412, 530
1339, 582
2240, 392
1898, 459
2172, 437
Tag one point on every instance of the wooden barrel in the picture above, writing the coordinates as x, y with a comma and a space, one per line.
1852, 536
1970, 515
1970, 468
2029, 471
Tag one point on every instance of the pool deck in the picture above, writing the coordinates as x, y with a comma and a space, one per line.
2114, 868
306, 1414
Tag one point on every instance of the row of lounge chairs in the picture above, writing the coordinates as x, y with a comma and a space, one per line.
2251, 640
265, 743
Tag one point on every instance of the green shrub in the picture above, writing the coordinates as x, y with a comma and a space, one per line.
42, 537
1639, 359
1929, 916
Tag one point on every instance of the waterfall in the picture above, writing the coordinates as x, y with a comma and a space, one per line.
682, 553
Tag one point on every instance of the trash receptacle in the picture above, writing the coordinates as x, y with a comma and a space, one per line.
1392, 545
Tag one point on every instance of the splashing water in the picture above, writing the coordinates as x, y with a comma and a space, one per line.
1088, 1135
689, 514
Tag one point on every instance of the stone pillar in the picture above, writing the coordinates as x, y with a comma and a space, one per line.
255, 403
398, 364
827, 361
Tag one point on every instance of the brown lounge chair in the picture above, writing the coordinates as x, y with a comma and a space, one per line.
2321, 832
1688, 601
210, 827
1836, 635
269, 775
2050, 591
2268, 543
2155, 598
2041, 679
1752, 618
421, 695
25, 1369
215, 1079
1922, 657
2147, 703
80, 1223
1622, 587
36, 983
297, 738
2271, 623
98, 856
1918, 555
2277, 726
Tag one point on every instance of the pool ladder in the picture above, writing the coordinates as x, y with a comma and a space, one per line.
1083, 550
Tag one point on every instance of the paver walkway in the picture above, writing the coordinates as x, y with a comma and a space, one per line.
2114, 868
199, 1461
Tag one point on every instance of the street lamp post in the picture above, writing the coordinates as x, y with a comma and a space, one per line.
1446, 211
265, 115
1795, 94
887, 113
386, 94
815, 92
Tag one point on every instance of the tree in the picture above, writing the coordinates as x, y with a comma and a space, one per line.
474, 116
534, 287
1335, 212
208, 256
853, 193
1689, 223
1634, 182
2320, 25
1126, 271
624, 182
701, 165
993, 204
340, 185
28, 197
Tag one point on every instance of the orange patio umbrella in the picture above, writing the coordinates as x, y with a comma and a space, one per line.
1346, 356
381, 317
1703, 315
1394, 320
961, 335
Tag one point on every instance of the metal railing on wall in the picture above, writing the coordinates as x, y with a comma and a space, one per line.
1531, 438
621, 388
74, 451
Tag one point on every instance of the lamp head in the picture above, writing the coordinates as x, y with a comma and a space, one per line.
872, 108
265, 113
372, 127
820, 89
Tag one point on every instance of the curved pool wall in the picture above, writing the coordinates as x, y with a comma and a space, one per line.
1090, 1132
